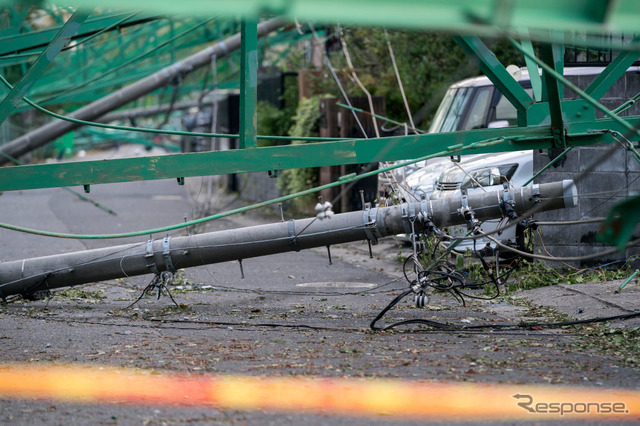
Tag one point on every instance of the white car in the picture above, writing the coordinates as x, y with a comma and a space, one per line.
484, 173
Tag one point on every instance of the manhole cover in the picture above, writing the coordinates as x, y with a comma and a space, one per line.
337, 285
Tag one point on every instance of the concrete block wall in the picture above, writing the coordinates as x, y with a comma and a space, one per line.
614, 176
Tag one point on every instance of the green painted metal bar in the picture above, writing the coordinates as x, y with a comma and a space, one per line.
551, 163
632, 129
59, 41
457, 16
627, 104
552, 90
248, 84
38, 39
69, 190
627, 281
295, 156
497, 73
613, 72
534, 75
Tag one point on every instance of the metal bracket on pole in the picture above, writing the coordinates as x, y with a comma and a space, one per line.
369, 218
508, 203
292, 233
405, 218
151, 265
166, 254
535, 191
464, 201
424, 208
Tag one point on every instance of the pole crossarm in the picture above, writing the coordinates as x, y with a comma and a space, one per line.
355, 151
497, 73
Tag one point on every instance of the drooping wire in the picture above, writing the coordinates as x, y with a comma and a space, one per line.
395, 68
354, 75
332, 70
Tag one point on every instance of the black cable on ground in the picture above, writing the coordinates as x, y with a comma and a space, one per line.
453, 327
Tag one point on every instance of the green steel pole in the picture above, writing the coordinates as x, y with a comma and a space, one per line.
248, 83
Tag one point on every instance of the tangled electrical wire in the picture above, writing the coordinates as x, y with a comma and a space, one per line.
428, 273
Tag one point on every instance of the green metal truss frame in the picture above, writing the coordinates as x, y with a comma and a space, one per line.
548, 123
98, 58
48, 55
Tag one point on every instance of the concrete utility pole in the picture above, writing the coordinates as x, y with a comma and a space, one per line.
48, 132
30, 276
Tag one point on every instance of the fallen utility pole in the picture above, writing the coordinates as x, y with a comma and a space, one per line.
44, 134
32, 277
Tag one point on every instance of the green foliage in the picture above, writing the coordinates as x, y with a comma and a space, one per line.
305, 124
621, 343
427, 62
537, 274
271, 122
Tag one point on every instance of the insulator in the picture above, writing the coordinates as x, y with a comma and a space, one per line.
421, 299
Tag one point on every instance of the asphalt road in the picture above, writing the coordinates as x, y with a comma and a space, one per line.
292, 314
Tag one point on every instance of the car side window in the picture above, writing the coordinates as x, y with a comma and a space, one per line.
478, 108
506, 111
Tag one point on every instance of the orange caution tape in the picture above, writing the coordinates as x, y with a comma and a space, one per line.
356, 397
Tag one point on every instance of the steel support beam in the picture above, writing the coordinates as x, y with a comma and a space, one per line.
497, 73
534, 73
29, 276
457, 16
248, 84
552, 91
51, 131
305, 155
613, 71
58, 42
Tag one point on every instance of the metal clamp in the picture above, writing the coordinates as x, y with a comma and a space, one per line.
424, 207
292, 234
535, 190
464, 201
369, 219
506, 197
151, 265
166, 254
405, 218
508, 203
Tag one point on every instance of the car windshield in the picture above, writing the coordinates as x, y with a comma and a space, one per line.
462, 109
450, 111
